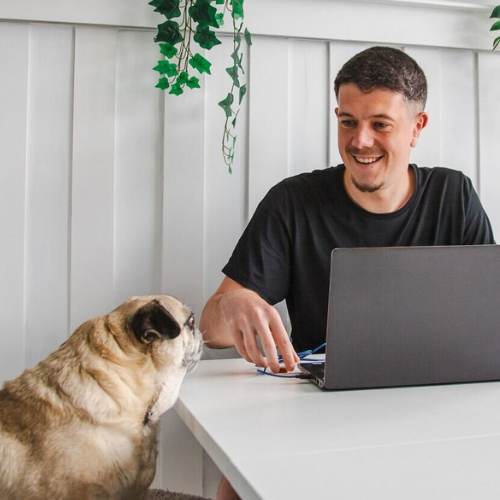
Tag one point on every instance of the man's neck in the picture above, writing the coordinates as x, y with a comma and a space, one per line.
385, 200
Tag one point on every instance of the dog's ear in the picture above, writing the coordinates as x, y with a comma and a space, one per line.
152, 322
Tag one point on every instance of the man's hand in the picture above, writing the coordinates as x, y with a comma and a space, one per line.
244, 317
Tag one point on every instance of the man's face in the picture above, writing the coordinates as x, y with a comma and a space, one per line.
376, 132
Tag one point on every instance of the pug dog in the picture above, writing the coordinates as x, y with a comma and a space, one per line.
83, 423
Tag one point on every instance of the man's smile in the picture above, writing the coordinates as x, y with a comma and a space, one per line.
367, 160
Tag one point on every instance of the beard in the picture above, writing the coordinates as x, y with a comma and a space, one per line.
366, 188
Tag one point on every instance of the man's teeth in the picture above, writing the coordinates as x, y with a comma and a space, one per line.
366, 160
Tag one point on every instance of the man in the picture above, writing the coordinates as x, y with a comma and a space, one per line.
376, 198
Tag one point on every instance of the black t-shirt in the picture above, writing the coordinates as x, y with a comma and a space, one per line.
284, 253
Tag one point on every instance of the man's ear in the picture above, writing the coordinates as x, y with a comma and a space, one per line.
419, 122
152, 322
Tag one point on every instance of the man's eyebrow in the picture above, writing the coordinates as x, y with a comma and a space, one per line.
379, 115
384, 116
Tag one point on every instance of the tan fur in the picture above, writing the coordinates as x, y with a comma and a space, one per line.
82, 424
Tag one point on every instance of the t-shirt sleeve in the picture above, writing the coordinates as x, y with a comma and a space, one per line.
261, 259
477, 230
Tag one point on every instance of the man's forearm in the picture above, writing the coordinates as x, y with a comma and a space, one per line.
213, 327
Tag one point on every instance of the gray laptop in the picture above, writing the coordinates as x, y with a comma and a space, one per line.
407, 316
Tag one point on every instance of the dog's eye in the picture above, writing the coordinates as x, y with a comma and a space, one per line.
190, 322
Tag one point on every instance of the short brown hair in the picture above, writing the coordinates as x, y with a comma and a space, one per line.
385, 68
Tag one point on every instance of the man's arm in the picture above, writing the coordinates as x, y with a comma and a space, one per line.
236, 316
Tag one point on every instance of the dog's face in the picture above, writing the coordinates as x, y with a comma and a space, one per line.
156, 326
162, 331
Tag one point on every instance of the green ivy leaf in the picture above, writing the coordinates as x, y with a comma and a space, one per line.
205, 37
237, 9
166, 68
496, 42
200, 63
225, 104
168, 50
193, 83
183, 78
169, 8
176, 89
248, 37
233, 73
237, 41
220, 19
204, 14
496, 12
237, 58
233, 123
220, 2
243, 91
162, 84
169, 32
496, 26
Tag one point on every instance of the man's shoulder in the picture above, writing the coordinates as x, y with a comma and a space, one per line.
441, 173
442, 178
314, 180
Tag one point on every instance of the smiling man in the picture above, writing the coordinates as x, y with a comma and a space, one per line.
375, 198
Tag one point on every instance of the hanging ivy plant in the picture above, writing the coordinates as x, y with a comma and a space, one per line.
190, 23
496, 25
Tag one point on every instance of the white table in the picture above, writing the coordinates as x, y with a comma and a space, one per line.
278, 439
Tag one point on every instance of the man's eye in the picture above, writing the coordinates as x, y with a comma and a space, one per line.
380, 125
348, 123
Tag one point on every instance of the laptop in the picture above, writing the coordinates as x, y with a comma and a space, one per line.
405, 316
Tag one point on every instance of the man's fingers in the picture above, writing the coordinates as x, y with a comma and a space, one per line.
269, 348
239, 343
253, 351
285, 347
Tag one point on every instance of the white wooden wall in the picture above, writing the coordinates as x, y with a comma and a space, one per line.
109, 188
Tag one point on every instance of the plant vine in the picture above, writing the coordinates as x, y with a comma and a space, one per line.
496, 25
189, 22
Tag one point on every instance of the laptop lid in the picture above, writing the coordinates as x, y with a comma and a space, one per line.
404, 316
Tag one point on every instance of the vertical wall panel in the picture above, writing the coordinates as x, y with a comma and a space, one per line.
449, 140
182, 258
14, 39
489, 127
269, 120
309, 106
180, 452
459, 149
93, 172
225, 216
184, 177
48, 181
138, 170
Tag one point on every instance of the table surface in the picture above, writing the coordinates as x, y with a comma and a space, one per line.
278, 438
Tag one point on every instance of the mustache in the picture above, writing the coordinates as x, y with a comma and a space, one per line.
364, 152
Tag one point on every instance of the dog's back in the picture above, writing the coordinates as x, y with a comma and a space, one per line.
52, 447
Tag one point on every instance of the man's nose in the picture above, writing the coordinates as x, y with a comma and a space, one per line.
363, 137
